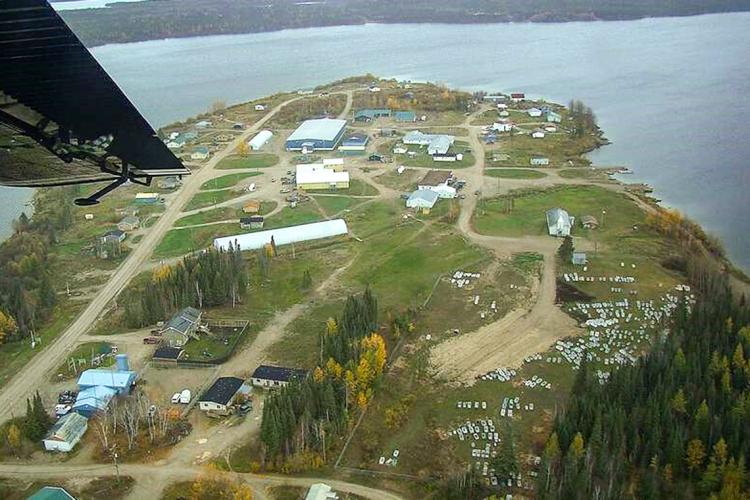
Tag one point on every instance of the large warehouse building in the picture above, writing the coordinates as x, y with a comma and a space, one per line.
323, 135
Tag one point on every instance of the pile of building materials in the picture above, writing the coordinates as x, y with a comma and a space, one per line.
499, 374
461, 279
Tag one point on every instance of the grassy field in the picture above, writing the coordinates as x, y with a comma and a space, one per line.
212, 347
561, 148
15, 355
255, 160
407, 181
357, 187
179, 242
423, 160
228, 180
208, 198
287, 216
221, 214
623, 239
583, 173
514, 173
333, 205
83, 351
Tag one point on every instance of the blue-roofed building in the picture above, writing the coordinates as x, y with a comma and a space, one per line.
323, 134
368, 115
93, 399
121, 381
355, 143
553, 117
405, 116
51, 493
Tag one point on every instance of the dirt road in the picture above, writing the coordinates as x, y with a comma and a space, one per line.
152, 479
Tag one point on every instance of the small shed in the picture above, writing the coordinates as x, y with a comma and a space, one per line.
405, 116
539, 160
66, 433
579, 258
129, 223
253, 222
537, 134
589, 222
114, 236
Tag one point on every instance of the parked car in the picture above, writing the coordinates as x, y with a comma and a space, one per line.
151, 340
176, 397
246, 408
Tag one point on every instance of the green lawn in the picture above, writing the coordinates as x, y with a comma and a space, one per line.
529, 209
208, 198
357, 187
287, 216
332, 205
423, 160
406, 181
226, 181
514, 173
254, 160
179, 242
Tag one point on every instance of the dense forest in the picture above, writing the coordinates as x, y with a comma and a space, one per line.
676, 423
27, 296
150, 20
302, 420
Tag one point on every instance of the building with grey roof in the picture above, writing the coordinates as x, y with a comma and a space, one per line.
422, 199
66, 433
323, 134
182, 327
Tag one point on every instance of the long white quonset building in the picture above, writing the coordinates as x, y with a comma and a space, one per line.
285, 235
260, 139
323, 134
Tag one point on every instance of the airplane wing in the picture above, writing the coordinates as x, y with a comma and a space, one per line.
63, 120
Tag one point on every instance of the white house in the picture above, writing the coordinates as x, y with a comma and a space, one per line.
260, 107
422, 199
437, 181
275, 376
539, 160
504, 126
321, 491
66, 433
203, 124
537, 134
400, 150
559, 223
503, 114
535, 112
502, 105
220, 397
373, 88
550, 128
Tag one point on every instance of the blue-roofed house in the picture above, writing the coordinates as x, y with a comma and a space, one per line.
121, 381
405, 116
93, 399
355, 143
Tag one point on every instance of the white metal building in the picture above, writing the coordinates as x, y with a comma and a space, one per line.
285, 235
323, 134
66, 433
260, 140
321, 176
422, 198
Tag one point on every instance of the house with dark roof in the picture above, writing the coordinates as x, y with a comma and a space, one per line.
219, 398
167, 354
275, 376
114, 236
252, 222
182, 327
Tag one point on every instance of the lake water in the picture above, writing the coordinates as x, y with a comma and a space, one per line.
671, 93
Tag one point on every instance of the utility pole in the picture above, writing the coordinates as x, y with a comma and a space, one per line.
114, 459
604, 212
